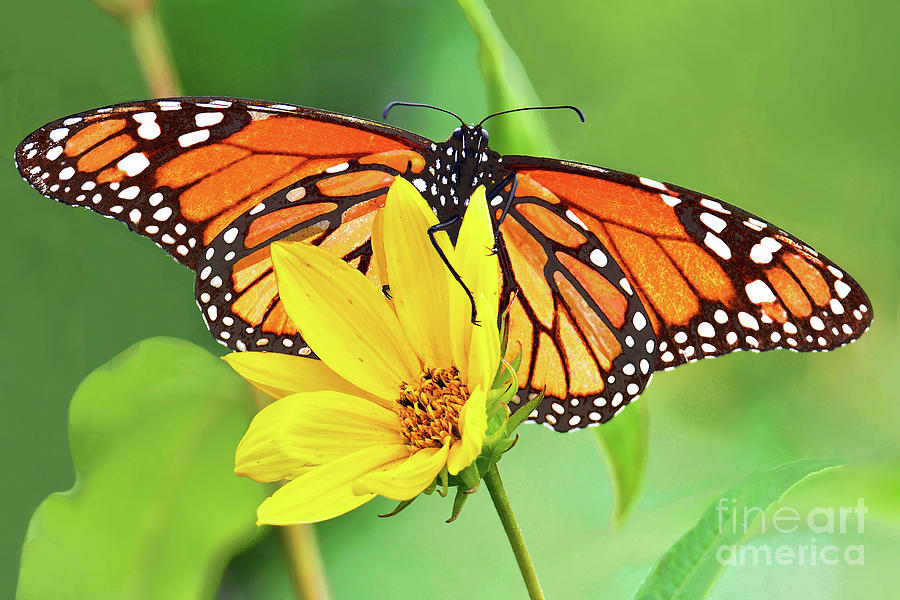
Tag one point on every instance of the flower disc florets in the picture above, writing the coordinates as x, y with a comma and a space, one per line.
429, 408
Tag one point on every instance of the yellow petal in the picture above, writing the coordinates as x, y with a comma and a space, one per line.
418, 278
472, 427
405, 479
343, 318
378, 246
280, 375
476, 348
327, 491
305, 430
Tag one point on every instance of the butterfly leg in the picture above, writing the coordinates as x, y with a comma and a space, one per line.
431, 231
386, 290
512, 182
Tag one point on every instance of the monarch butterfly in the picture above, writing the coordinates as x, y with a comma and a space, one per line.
607, 276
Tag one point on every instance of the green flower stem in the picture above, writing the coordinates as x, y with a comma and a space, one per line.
505, 511
305, 562
152, 52
301, 550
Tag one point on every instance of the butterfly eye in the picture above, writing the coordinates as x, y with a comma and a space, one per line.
484, 136
457, 134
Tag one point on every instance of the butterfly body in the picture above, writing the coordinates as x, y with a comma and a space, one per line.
608, 276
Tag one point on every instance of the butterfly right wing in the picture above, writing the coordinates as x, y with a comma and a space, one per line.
183, 171
710, 278
713, 277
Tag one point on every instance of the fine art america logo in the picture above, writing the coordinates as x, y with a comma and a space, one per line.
824, 521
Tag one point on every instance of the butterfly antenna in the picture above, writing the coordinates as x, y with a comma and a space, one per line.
512, 110
391, 105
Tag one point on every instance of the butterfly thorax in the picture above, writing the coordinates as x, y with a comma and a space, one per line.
459, 166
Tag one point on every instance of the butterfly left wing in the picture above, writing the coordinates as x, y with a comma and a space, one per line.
581, 334
712, 278
335, 210
193, 173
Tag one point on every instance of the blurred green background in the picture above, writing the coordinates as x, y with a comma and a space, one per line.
786, 109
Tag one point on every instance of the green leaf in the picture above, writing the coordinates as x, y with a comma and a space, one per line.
156, 510
625, 442
521, 413
507, 86
458, 502
691, 567
878, 482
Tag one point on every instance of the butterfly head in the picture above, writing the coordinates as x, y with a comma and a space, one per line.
469, 138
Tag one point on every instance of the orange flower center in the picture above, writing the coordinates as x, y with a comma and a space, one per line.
429, 408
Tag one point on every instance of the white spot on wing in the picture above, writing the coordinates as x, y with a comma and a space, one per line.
162, 214
714, 205
653, 183
748, 321
670, 200
706, 330
836, 306
639, 321
133, 164
574, 218
758, 292
193, 137
755, 224
840, 287
717, 245
59, 133
230, 235
149, 130
207, 119
716, 224
130, 193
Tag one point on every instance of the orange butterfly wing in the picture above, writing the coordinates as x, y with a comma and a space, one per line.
711, 278
609, 276
182, 171
581, 334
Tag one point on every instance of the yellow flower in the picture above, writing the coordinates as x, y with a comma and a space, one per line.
400, 392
